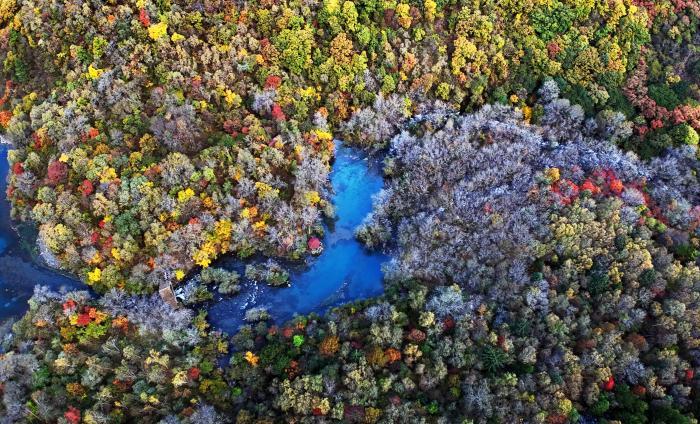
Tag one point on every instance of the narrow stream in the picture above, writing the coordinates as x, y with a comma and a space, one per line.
344, 272
19, 268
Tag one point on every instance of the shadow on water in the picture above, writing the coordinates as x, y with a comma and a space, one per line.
344, 272
19, 269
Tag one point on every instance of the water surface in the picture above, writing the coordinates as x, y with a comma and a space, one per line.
19, 268
344, 272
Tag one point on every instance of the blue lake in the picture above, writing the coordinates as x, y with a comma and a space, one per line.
344, 272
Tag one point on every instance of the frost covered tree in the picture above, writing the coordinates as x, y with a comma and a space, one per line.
463, 200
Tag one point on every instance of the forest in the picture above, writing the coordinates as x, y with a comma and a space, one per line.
540, 209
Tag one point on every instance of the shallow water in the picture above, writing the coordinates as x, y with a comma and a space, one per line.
344, 272
19, 271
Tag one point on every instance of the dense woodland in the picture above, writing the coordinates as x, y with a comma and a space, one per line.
542, 207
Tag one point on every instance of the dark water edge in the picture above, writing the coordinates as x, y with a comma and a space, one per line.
344, 272
20, 267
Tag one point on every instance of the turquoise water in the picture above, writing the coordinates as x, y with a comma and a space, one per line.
19, 272
344, 272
